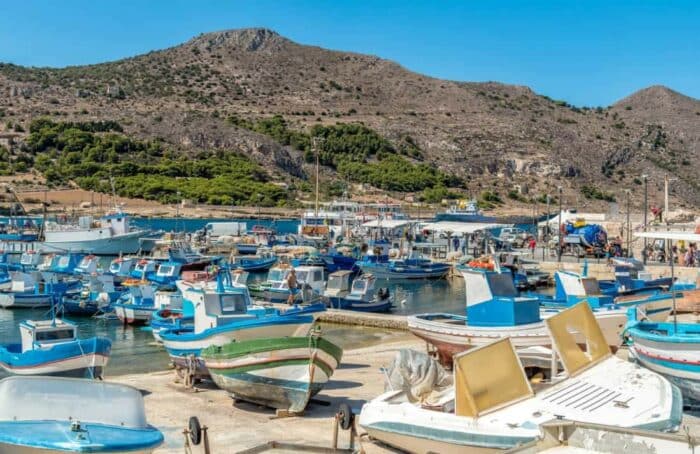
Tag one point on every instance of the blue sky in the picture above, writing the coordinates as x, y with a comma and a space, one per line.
585, 52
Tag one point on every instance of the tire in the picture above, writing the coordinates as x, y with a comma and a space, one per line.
345, 416
195, 430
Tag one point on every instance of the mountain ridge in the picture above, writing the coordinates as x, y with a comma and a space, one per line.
498, 137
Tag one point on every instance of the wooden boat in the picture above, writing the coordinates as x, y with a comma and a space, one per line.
138, 305
492, 405
51, 415
31, 290
281, 373
410, 268
362, 295
95, 297
263, 261
562, 437
52, 347
494, 311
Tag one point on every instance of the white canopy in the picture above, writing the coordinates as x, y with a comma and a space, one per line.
569, 216
670, 235
386, 223
460, 227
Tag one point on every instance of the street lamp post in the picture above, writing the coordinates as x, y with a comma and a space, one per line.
548, 231
627, 194
560, 236
646, 208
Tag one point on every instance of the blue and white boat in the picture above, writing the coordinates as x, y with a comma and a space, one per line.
137, 305
630, 276
310, 285
88, 265
222, 315
52, 347
50, 415
262, 261
410, 268
122, 267
30, 290
61, 263
94, 297
145, 269
464, 211
29, 260
358, 295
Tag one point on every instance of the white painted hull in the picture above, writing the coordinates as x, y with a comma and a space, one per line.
128, 243
94, 361
133, 314
10, 300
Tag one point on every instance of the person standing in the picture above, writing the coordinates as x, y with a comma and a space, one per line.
292, 285
532, 244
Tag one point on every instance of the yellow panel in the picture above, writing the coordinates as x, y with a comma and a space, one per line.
577, 338
488, 378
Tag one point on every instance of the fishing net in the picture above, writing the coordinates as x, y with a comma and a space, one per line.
417, 374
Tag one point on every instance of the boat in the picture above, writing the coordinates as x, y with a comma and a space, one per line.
52, 347
409, 268
496, 310
51, 415
310, 283
630, 275
110, 235
138, 304
330, 221
145, 269
464, 211
223, 314
280, 372
561, 437
571, 288
362, 295
96, 296
60, 263
263, 261
493, 406
30, 290
122, 267
88, 265
29, 260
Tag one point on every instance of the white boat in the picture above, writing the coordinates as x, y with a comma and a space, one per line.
494, 311
110, 235
48, 415
569, 437
492, 405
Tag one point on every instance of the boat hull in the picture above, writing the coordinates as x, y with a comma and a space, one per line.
381, 272
133, 314
7, 448
128, 243
25, 300
81, 359
281, 373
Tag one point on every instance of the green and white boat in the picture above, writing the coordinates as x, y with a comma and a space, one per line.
281, 373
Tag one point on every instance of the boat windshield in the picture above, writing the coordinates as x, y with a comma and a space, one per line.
54, 335
501, 285
359, 286
166, 270
277, 275
336, 282
302, 276
233, 303
63, 261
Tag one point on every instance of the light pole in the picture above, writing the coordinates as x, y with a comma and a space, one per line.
645, 177
627, 194
560, 236
548, 232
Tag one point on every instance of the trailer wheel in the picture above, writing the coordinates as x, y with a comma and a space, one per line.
195, 430
345, 416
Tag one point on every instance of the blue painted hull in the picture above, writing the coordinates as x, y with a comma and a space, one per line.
359, 306
255, 265
384, 271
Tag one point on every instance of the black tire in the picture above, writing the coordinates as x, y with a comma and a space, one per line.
195, 430
345, 416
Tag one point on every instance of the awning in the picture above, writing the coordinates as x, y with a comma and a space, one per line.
387, 223
670, 235
590, 218
459, 227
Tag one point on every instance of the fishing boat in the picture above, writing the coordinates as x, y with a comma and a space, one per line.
96, 296
409, 268
281, 372
669, 348
571, 288
561, 437
222, 315
122, 267
52, 415
263, 261
464, 211
88, 265
137, 305
630, 275
493, 406
275, 277
310, 283
359, 295
60, 263
29, 260
495, 310
109, 235
52, 347
145, 269
30, 290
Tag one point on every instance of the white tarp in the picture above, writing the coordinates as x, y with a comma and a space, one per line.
459, 227
590, 218
670, 235
386, 223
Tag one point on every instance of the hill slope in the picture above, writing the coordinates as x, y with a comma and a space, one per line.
496, 137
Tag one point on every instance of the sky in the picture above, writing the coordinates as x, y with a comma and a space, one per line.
589, 53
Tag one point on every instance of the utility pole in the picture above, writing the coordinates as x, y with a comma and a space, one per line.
548, 232
561, 234
645, 177
315, 141
629, 252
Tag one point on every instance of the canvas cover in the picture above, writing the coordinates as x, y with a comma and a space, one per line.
488, 378
417, 374
577, 338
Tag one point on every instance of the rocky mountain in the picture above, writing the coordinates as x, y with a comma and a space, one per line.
500, 138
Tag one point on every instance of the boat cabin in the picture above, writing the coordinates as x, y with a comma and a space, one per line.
61, 263
278, 274
41, 334
168, 272
573, 288
117, 222
142, 294
363, 288
218, 307
30, 259
122, 266
144, 268
23, 282
338, 284
492, 300
311, 276
88, 265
